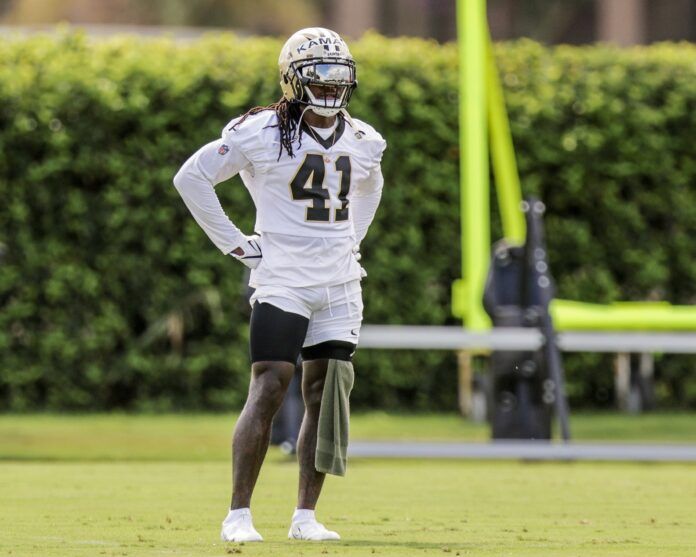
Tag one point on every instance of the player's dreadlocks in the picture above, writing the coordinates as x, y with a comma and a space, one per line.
288, 114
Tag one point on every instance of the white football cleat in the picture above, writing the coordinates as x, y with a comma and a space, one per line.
311, 530
238, 527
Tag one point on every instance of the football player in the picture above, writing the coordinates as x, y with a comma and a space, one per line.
314, 175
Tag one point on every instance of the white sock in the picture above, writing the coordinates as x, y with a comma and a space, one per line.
235, 514
301, 515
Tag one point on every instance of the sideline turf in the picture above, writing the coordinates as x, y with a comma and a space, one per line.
159, 486
402, 508
206, 437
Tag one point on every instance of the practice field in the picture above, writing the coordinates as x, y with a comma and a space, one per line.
142, 486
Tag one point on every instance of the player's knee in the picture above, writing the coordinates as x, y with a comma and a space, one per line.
312, 392
271, 380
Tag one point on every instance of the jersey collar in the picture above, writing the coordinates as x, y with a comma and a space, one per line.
329, 141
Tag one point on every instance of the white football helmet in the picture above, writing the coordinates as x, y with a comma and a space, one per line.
317, 70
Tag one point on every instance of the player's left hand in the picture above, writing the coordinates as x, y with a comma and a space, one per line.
356, 252
358, 257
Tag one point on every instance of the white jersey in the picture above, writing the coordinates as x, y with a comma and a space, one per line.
311, 209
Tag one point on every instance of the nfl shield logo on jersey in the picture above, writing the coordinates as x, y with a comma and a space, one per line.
223, 150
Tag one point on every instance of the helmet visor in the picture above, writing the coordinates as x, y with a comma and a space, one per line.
328, 73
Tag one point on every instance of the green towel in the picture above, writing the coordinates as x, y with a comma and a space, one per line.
334, 415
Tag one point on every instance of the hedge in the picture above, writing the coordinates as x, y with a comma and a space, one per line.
111, 297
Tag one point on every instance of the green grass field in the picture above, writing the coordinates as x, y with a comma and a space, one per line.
159, 485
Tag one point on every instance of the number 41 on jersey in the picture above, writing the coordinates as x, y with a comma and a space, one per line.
313, 168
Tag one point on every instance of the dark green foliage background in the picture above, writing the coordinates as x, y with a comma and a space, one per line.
112, 297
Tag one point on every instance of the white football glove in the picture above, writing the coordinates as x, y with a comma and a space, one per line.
358, 257
251, 252
356, 252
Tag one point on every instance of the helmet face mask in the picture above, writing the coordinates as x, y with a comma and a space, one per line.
326, 85
317, 70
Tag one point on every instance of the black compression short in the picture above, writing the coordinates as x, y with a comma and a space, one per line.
329, 350
275, 335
